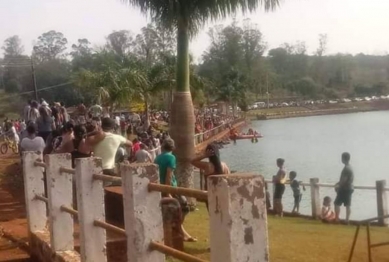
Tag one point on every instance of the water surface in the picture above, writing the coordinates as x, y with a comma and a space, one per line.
312, 146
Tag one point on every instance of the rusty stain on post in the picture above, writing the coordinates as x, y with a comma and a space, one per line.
198, 194
174, 253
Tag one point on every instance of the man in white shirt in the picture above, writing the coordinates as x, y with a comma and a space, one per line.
142, 156
106, 144
32, 142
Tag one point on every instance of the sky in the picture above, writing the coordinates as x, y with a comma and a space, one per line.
352, 26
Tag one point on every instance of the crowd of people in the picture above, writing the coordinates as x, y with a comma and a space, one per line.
344, 190
130, 137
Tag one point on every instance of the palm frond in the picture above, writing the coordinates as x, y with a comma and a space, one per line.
197, 12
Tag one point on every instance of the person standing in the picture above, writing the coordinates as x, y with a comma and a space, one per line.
32, 142
142, 156
279, 181
106, 145
167, 164
344, 188
44, 123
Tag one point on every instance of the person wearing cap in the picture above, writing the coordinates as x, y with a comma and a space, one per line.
167, 164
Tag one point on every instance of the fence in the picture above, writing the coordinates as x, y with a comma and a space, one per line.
238, 221
380, 188
201, 137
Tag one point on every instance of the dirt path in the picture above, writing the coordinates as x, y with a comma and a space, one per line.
13, 223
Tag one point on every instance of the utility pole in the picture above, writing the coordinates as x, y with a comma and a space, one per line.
267, 88
34, 80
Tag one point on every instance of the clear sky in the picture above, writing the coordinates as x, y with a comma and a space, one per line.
352, 26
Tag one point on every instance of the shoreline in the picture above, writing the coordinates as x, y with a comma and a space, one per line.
337, 109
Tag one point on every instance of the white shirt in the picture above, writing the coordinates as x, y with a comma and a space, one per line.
96, 110
107, 148
36, 144
142, 156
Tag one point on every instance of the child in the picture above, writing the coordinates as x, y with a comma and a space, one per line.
295, 185
327, 215
279, 181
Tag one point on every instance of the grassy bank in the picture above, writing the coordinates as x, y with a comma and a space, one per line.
296, 239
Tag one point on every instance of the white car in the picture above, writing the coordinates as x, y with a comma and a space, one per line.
367, 98
333, 102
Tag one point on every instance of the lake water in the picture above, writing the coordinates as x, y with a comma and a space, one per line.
312, 146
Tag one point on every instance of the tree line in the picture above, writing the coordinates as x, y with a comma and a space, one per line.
238, 67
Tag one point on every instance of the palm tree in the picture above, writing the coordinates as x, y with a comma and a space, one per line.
187, 16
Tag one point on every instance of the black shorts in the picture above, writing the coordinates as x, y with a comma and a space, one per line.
343, 197
297, 199
279, 191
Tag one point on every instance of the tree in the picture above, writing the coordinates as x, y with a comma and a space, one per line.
120, 42
13, 47
50, 45
187, 17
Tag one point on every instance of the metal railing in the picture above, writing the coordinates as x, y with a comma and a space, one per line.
370, 246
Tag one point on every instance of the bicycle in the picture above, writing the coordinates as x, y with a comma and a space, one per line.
8, 143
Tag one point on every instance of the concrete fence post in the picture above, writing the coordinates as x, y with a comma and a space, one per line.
238, 219
90, 203
34, 184
60, 192
382, 202
315, 197
142, 212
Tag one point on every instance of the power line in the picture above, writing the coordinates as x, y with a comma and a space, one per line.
39, 90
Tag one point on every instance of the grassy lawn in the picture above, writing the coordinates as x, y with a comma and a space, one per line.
297, 239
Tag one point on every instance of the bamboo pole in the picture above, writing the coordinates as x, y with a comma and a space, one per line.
42, 198
198, 194
107, 178
69, 210
109, 227
67, 170
174, 253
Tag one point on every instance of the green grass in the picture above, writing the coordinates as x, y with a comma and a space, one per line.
297, 239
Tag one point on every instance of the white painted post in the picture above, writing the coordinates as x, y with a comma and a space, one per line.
238, 218
90, 203
382, 202
60, 192
142, 212
34, 185
315, 197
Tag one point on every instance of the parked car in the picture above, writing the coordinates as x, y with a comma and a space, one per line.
367, 98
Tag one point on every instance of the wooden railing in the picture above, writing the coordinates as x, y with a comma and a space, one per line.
143, 226
201, 137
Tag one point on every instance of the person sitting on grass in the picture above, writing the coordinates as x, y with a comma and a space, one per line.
327, 215
167, 164
295, 185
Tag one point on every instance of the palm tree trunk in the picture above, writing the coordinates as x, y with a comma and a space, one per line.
182, 114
